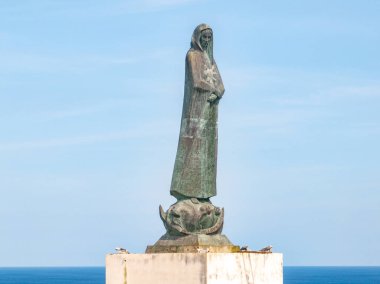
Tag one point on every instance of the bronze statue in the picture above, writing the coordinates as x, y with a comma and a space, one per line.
193, 222
194, 174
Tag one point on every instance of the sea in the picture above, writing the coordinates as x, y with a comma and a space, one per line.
96, 275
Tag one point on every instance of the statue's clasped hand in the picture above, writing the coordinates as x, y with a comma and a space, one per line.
212, 98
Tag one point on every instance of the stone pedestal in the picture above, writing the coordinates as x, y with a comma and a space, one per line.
192, 244
194, 268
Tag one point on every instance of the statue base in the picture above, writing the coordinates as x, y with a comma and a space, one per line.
192, 244
194, 268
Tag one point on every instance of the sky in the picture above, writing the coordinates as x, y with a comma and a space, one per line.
90, 104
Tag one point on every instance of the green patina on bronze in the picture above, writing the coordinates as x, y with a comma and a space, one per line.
195, 167
193, 244
193, 222
191, 216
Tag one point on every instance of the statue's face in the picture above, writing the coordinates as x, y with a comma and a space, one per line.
206, 37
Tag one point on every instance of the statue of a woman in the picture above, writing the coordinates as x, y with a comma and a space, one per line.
194, 174
193, 222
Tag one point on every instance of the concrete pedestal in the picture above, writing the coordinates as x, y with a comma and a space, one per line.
194, 268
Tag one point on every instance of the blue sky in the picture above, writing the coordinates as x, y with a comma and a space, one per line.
91, 96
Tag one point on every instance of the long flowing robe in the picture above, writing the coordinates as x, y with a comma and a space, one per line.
194, 173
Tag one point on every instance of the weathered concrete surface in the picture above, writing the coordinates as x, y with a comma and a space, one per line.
194, 268
164, 268
244, 268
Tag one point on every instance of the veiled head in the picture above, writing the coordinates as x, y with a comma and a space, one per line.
202, 39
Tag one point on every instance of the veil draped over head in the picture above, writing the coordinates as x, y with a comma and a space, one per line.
196, 40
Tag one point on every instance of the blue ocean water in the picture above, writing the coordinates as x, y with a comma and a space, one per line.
53, 275
331, 275
96, 275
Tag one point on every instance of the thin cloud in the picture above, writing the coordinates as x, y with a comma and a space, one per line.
148, 130
69, 141
369, 91
329, 94
283, 121
299, 87
85, 110
166, 2
147, 6
287, 100
82, 10
21, 62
